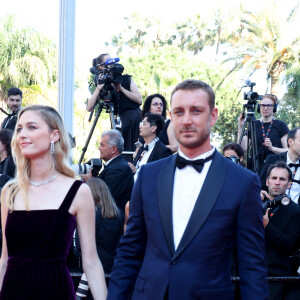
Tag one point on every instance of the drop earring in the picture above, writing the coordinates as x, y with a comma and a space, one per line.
52, 147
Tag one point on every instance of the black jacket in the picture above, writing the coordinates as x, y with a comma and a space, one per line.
159, 151
282, 235
119, 178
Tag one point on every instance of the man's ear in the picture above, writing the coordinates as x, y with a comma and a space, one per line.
153, 128
267, 181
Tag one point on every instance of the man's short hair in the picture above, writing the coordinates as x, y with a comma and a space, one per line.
281, 165
114, 139
155, 120
14, 91
292, 134
193, 84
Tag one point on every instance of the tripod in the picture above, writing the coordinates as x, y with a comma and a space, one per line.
109, 105
252, 152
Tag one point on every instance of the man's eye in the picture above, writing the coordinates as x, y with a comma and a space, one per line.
197, 111
178, 112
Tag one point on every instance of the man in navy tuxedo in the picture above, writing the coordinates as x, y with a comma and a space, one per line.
187, 213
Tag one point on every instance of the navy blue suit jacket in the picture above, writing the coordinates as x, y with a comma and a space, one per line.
227, 213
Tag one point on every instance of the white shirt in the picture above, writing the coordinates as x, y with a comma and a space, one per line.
294, 190
145, 157
106, 164
187, 186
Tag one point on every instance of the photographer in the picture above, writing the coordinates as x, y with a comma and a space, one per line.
282, 231
234, 152
271, 134
126, 104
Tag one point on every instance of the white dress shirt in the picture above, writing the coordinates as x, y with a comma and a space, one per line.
106, 163
187, 186
294, 190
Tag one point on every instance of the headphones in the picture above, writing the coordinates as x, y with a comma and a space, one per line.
274, 107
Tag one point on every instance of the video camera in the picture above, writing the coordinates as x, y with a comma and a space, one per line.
280, 200
111, 72
251, 96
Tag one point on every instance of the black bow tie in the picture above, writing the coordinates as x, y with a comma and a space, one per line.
196, 164
145, 148
294, 165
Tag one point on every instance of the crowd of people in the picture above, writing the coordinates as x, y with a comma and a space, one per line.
168, 224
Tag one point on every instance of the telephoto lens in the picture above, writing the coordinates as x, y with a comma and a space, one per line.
83, 288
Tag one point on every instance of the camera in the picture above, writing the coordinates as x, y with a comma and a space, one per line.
95, 164
83, 288
280, 200
251, 96
110, 74
234, 158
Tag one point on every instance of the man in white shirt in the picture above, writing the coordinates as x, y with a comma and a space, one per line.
187, 212
153, 149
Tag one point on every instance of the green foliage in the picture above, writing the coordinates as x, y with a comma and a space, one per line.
289, 110
27, 59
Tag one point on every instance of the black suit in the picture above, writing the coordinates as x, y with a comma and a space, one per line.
119, 178
282, 236
159, 151
271, 159
10, 122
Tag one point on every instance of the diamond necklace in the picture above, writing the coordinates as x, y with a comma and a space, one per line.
38, 183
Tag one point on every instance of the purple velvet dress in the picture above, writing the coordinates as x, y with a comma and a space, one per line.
37, 244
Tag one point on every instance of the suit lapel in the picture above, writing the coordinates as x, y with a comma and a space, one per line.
150, 158
165, 199
208, 195
137, 156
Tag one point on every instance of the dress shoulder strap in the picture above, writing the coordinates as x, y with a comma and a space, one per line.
70, 195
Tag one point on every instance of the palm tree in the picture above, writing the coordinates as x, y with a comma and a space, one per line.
266, 40
27, 59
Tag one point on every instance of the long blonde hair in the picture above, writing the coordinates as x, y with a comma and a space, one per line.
60, 159
103, 198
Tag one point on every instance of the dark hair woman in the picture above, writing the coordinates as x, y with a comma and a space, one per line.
157, 104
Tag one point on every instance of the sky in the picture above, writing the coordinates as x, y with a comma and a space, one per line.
97, 21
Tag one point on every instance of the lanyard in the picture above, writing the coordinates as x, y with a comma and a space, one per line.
263, 129
140, 157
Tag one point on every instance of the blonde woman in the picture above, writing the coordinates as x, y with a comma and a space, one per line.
39, 211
